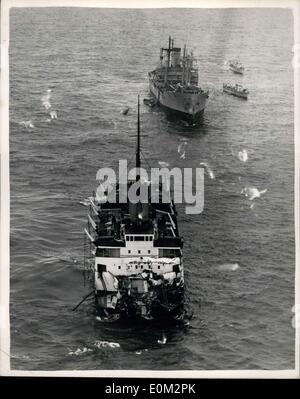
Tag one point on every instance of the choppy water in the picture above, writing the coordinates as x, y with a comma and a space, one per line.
72, 72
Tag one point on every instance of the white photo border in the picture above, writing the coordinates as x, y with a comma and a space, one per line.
5, 368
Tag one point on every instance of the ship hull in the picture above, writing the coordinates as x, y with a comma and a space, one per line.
238, 71
233, 93
147, 288
160, 313
185, 106
191, 119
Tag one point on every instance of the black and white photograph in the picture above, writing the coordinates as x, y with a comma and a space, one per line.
150, 188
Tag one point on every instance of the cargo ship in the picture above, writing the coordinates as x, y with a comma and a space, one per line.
136, 254
174, 84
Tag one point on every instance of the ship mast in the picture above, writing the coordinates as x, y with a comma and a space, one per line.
183, 66
168, 62
138, 146
138, 211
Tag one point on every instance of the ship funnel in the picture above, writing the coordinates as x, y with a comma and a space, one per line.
175, 56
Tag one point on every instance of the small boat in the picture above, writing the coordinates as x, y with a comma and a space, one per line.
236, 67
125, 110
150, 102
236, 90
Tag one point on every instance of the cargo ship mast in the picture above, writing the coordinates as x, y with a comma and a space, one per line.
168, 50
138, 146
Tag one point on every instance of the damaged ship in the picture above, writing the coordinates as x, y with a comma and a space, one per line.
174, 84
137, 257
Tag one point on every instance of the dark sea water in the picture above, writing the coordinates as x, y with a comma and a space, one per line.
239, 257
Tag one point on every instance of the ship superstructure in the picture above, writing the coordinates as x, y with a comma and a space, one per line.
137, 253
174, 84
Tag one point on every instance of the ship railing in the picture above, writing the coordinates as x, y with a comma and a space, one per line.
192, 91
92, 222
